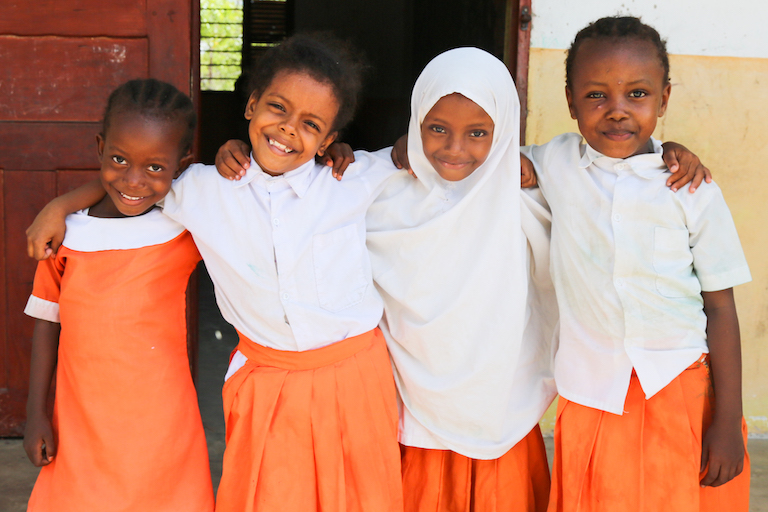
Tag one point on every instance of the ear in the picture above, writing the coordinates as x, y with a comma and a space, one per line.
185, 161
327, 142
250, 107
569, 99
665, 99
100, 145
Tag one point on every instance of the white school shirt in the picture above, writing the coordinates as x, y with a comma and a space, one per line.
629, 261
286, 253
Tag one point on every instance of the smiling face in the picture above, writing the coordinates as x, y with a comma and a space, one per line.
617, 94
456, 135
139, 157
291, 121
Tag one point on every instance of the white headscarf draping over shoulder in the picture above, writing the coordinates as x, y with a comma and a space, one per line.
468, 331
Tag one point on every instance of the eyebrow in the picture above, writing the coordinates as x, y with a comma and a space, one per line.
634, 82
473, 125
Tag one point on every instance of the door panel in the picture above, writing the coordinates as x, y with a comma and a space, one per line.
59, 60
42, 84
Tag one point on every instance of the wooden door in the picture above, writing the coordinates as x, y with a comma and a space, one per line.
59, 60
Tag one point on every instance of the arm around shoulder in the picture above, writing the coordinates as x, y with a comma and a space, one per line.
45, 234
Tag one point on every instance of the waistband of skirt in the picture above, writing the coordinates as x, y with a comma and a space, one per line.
308, 359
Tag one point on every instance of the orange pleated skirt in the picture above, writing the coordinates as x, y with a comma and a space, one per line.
445, 481
314, 430
646, 460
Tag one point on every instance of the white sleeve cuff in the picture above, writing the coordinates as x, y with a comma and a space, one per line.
43, 309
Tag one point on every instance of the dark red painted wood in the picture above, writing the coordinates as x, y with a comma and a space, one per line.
65, 78
74, 17
169, 24
60, 59
522, 51
43, 146
24, 194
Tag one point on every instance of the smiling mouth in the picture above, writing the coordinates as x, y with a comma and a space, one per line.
281, 147
131, 198
618, 135
452, 165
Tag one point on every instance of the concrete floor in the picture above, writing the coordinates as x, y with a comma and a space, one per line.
217, 338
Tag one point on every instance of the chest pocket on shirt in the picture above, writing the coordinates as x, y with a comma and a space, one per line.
339, 258
673, 262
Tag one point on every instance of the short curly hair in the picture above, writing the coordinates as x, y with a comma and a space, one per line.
618, 27
324, 58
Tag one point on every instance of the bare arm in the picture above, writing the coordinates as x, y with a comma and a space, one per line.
723, 445
38, 434
46, 233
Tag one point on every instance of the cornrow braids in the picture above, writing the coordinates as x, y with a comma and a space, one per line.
324, 58
154, 99
618, 27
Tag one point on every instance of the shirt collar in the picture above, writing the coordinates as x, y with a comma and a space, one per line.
646, 165
298, 179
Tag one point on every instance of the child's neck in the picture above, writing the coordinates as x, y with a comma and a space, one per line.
106, 209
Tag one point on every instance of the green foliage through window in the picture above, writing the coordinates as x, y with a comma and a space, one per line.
221, 43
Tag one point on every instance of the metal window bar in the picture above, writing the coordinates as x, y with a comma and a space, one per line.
220, 46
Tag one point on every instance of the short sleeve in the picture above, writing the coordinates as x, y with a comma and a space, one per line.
718, 258
188, 193
44, 301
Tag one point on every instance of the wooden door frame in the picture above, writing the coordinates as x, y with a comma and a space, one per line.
516, 52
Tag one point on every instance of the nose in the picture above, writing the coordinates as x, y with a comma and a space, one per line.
133, 175
618, 109
288, 125
454, 144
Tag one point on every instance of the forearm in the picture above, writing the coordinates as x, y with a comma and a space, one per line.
45, 345
82, 197
724, 343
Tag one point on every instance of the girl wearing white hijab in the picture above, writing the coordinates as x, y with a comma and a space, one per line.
460, 257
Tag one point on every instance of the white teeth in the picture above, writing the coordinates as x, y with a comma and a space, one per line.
130, 198
273, 142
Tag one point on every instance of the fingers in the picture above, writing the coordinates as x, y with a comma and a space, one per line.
400, 154
49, 449
702, 174
719, 471
233, 159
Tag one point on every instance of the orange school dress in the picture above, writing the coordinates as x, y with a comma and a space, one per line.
126, 419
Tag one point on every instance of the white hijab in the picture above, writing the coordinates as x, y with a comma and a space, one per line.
472, 360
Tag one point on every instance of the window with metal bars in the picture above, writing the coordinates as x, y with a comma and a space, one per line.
221, 44
266, 23
234, 34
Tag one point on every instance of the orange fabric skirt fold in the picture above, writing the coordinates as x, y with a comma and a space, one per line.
646, 460
313, 430
445, 481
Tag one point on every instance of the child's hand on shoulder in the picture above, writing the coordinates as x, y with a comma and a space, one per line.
46, 233
233, 159
527, 173
684, 166
400, 155
722, 453
38, 440
338, 156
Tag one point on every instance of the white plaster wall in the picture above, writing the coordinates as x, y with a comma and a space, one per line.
734, 28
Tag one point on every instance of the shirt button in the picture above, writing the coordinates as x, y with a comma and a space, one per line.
620, 167
620, 283
617, 217
285, 297
276, 222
